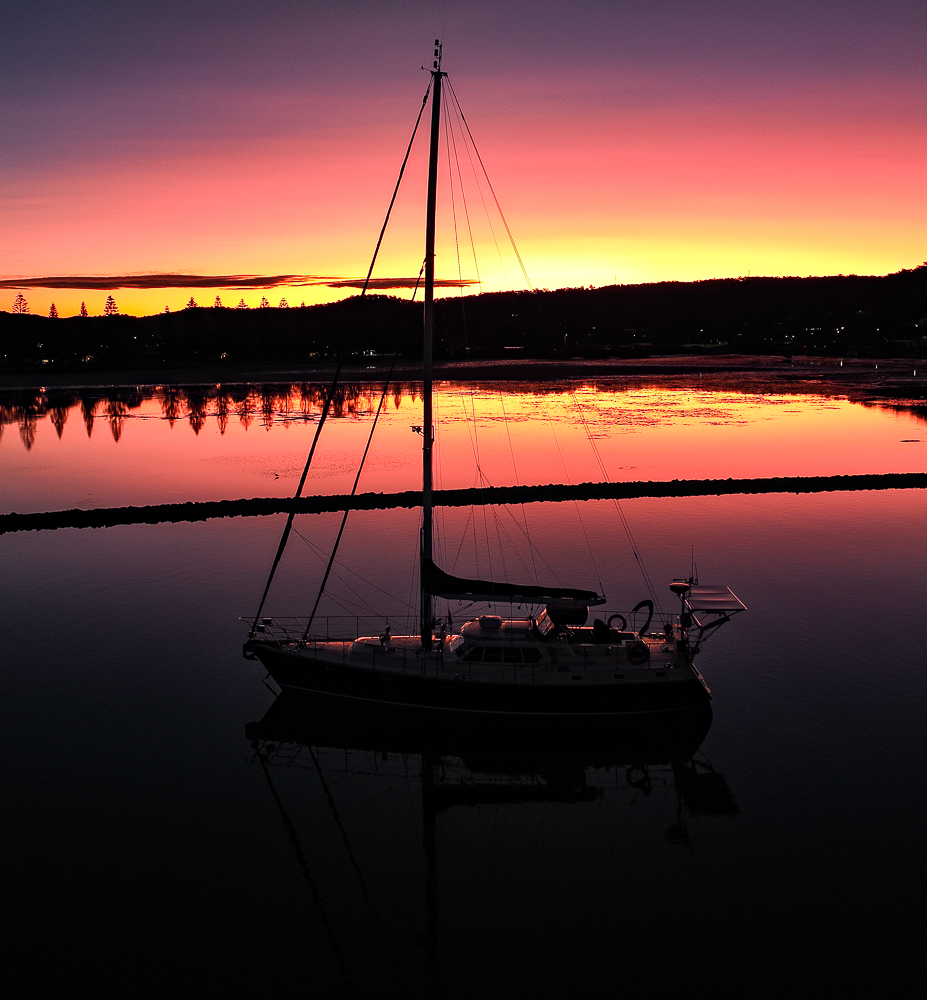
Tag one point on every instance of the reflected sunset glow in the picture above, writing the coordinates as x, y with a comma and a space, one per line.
224, 442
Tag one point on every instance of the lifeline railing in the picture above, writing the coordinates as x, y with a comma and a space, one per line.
346, 628
407, 659
331, 628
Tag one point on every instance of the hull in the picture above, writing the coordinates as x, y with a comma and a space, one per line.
557, 695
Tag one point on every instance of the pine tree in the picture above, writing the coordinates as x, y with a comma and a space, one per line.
20, 305
264, 303
110, 309
218, 303
53, 314
284, 304
241, 305
302, 304
167, 309
83, 308
192, 304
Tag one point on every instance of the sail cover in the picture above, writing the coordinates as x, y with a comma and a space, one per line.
456, 588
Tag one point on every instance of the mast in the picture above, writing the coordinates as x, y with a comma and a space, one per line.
430, 811
427, 603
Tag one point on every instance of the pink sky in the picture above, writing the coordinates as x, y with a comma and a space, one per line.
685, 141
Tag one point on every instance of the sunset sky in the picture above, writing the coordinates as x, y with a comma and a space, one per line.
660, 139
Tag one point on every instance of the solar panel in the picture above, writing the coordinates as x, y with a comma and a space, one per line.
712, 598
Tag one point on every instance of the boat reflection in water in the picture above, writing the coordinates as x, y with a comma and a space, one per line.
467, 764
451, 763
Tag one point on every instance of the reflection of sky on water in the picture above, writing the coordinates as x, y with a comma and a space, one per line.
171, 444
124, 699
124, 702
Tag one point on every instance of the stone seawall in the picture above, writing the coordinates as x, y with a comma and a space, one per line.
107, 517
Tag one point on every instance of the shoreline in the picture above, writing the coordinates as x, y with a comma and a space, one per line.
896, 379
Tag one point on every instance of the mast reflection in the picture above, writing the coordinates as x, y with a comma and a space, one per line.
456, 763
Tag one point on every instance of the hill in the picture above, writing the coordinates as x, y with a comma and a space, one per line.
842, 315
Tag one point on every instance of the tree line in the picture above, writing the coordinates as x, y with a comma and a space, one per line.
110, 308
838, 315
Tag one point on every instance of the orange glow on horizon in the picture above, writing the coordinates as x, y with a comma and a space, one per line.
677, 191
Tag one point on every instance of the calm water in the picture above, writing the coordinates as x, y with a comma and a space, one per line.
148, 849
62, 449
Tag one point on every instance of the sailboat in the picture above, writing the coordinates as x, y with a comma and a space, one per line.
544, 665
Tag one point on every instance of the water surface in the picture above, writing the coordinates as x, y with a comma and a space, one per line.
148, 848
169, 444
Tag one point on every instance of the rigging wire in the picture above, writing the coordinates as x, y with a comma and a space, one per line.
496, 520
481, 480
392, 200
418, 281
318, 551
537, 302
479, 188
341, 355
467, 134
524, 532
463, 198
550, 569
357, 871
524, 515
303, 863
451, 141
452, 160
489, 183
635, 551
344, 519
453, 115
464, 535
501, 534
450, 180
474, 445
299, 489
414, 573
566, 474
523, 529
439, 519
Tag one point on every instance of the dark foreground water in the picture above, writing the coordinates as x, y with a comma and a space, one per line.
151, 847
171, 830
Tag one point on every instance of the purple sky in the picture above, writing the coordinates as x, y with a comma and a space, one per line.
632, 140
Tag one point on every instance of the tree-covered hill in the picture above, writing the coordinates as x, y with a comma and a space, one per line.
854, 315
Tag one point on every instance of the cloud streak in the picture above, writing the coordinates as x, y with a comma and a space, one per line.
398, 282
236, 281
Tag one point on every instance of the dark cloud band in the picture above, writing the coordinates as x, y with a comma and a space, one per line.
396, 283
237, 281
